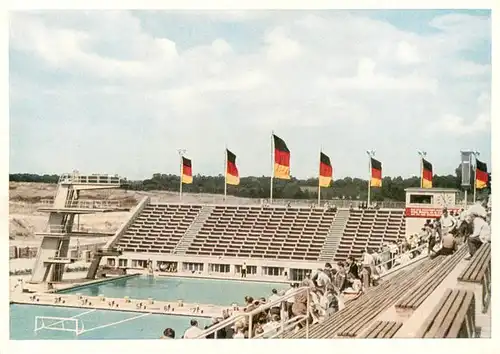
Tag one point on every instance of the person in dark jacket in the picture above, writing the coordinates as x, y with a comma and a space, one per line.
352, 267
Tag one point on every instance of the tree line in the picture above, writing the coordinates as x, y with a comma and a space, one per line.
259, 187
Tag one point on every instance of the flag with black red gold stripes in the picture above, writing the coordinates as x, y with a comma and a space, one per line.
426, 174
325, 170
481, 175
281, 159
187, 171
376, 176
232, 175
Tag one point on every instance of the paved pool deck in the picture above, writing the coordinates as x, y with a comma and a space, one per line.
120, 304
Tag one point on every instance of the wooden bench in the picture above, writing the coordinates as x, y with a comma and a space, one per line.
383, 329
453, 317
420, 292
476, 277
361, 312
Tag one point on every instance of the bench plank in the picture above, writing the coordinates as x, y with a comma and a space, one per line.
468, 305
475, 271
383, 329
421, 291
454, 311
471, 271
444, 319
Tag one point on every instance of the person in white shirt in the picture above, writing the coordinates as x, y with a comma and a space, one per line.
276, 308
447, 222
193, 331
481, 234
238, 330
355, 284
368, 265
321, 279
270, 328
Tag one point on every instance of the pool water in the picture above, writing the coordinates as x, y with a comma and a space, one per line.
190, 290
98, 324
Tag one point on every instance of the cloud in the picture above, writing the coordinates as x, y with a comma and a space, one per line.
128, 93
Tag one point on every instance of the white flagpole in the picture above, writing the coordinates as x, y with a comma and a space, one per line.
181, 154
319, 177
225, 173
180, 175
369, 179
272, 167
370, 153
421, 172
422, 155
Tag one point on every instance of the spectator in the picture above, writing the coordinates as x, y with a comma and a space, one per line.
321, 279
328, 270
447, 222
275, 309
193, 331
168, 333
291, 300
354, 284
385, 257
481, 234
271, 328
239, 328
352, 267
449, 245
221, 333
340, 278
393, 249
432, 235
244, 270
368, 265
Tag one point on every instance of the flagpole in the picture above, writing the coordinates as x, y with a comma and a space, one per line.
272, 167
225, 173
422, 155
319, 177
476, 154
181, 154
370, 153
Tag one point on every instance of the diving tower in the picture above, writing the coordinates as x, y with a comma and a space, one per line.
53, 253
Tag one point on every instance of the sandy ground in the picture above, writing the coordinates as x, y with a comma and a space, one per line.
25, 220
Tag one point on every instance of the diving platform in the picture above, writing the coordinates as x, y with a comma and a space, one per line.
59, 260
82, 206
94, 181
79, 234
67, 204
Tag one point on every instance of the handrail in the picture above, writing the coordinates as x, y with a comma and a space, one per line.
284, 326
400, 266
90, 179
235, 318
93, 204
418, 248
56, 229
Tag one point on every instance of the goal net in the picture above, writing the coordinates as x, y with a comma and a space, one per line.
63, 324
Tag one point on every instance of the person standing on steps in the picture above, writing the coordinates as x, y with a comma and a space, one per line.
244, 270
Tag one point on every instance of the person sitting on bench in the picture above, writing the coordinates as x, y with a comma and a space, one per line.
448, 245
481, 234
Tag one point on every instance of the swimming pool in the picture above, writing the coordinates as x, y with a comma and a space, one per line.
190, 290
97, 324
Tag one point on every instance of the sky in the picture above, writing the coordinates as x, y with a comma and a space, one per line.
121, 91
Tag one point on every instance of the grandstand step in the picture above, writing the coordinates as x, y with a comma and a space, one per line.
334, 235
193, 230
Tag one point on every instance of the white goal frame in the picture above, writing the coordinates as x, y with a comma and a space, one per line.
59, 320
78, 328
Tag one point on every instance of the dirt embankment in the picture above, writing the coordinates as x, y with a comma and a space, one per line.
25, 199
